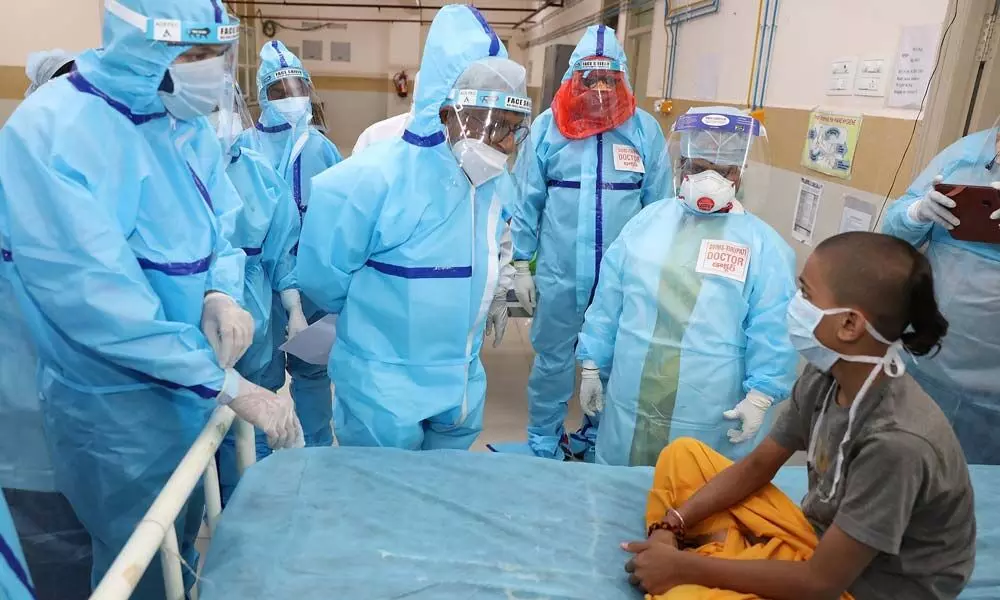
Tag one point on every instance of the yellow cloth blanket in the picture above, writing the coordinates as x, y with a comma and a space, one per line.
769, 515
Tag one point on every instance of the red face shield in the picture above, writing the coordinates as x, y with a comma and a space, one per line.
592, 102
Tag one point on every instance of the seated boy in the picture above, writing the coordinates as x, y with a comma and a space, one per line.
889, 508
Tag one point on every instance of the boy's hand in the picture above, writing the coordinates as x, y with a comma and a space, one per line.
655, 567
662, 536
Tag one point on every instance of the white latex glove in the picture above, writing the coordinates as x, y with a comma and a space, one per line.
269, 412
591, 389
934, 207
524, 285
751, 411
228, 328
292, 301
496, 319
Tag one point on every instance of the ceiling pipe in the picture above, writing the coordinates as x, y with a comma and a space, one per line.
378, 6
534, 13
361, 20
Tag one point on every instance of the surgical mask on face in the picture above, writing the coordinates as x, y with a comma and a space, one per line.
803, 318
480, 161
293, 109
707, 191
198, 87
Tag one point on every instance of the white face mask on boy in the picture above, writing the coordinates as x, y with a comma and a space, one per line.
803, 318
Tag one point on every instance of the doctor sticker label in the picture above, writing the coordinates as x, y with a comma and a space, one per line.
726, 259
627, 159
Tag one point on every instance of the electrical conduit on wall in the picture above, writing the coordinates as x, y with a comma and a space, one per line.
674, 17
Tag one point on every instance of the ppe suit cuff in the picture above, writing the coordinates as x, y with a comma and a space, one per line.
213, 293
760, 399
219, 285
910, 223
589, 364
776, 393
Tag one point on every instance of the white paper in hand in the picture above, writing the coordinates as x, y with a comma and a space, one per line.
314, 343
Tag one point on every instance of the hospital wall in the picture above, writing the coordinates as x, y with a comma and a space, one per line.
713, 66
359, 91
715, 55
77, 27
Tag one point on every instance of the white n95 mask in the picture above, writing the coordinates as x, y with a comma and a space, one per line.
480, 161
293, 109
198, 88
707, 191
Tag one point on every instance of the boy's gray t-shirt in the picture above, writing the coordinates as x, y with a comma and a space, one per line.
904, 490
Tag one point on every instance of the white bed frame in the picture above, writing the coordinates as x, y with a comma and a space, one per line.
156, 530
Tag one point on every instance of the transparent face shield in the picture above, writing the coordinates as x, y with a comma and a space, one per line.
720, 162
597, 98
318, 114
196, 82
991, 152
232, 121
486, 129
289, 92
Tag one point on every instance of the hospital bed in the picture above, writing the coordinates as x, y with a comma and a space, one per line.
364, 523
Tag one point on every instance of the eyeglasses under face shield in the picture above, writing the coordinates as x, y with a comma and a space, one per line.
503, 121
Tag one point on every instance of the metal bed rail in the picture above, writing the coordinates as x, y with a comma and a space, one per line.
156, 533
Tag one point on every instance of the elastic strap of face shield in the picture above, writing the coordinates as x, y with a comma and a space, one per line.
598, 64
488, 99
175, 31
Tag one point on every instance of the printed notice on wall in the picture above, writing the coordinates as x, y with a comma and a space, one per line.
914, 64
806, 210
858, 215
830, 143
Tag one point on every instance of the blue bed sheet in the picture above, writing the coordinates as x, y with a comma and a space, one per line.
362, 523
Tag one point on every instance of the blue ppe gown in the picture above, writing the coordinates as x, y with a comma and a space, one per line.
267, 231
963, 377
298, 152
126, 231
15, 580
685, 336
406, 250
571, 208
55, 544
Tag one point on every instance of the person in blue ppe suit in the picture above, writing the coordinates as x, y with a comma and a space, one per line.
403, 242
15, 580
962, 377
298, 152
690, 312
267, 230
128, 284
55, 543
597, 161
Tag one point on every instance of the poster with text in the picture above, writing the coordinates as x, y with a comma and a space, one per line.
830, 143
918, 48
806, 210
